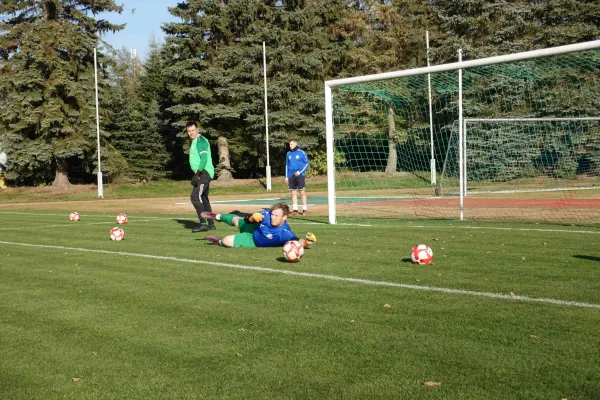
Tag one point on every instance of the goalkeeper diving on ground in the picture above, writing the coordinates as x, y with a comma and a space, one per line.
265, 228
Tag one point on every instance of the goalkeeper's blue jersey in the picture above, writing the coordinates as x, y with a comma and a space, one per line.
267, 235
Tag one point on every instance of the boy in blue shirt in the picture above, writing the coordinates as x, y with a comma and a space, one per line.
296, 164
266, 228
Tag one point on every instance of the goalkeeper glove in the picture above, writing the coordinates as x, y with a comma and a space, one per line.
311, 237
255, 218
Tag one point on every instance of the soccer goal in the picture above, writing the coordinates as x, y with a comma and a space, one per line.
507, 138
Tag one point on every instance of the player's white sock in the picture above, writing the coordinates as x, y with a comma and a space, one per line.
295, 207
218, 217
304, 208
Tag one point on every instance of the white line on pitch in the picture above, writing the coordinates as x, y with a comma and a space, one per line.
447, 227
295, 222
326, 223
54, 226
495, 228
86, 215
78, 224
245, 202
321, 276
241, 201
25, 213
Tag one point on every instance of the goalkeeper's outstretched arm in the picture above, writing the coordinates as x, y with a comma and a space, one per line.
309, 239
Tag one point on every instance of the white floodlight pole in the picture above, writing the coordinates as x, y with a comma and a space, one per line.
330, 153
100, 188
460, 139
432, 161
268, 169
133, 59
464, 132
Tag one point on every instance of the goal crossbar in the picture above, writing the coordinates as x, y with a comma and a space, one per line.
527, 55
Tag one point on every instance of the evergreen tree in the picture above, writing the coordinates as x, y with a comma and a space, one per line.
382, 36
46, 48
484, 28
217, 73
187, 55
543, 88
152, 93
134, 147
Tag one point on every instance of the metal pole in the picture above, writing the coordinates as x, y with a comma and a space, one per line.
432, 160
460, 139
268, 169
100, 187
330, 153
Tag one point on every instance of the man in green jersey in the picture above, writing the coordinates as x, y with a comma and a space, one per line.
204, 172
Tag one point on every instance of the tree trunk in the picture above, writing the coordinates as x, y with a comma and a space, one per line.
392, 160
224, 160
61, 179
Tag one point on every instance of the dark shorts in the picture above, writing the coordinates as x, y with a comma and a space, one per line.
297, 182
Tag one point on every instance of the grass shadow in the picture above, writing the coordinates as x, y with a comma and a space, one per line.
187, 224
284, 260
589, 258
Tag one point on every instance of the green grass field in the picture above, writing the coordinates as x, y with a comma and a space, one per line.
506, 311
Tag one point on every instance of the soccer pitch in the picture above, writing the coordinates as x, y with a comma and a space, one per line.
506, 311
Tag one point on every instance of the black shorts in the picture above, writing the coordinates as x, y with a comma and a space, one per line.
297, 182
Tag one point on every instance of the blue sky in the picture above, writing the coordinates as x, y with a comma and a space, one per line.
143, 18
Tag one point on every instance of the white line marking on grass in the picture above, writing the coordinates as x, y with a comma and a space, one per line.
295, 222
242, 200
37, 214
322, 276
502, 229
80, 224
457, 226
66, 214
447, 226
55, 226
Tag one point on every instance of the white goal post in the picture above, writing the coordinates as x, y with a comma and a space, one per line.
371, 84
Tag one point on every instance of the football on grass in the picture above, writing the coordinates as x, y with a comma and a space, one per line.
421, 254
293, 251
74, 216
121, 219
117, 234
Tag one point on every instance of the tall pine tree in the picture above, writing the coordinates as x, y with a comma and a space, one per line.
484, 28
46, 48
134, 147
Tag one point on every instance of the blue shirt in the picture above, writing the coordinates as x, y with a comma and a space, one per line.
267, 235
296, 161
